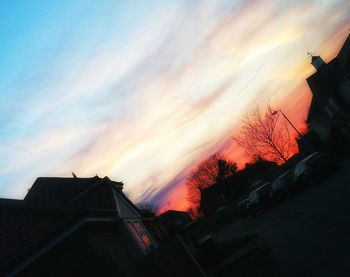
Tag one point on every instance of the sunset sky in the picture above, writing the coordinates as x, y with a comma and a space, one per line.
141, 91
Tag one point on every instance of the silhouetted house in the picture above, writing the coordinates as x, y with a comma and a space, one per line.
330, 85
234, 187
314, 143
259, 172
174, 220
154, 225
216, 196
80, 226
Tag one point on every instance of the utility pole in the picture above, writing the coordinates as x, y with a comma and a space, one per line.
295, 129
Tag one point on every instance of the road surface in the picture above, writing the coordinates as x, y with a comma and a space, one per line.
309, 234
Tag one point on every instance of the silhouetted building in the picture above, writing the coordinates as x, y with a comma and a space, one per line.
330, 85
174, 220
313, 139
259, 172
154, 225
232, 188
80, 226
215, 196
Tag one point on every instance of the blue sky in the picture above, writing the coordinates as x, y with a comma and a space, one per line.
143, 90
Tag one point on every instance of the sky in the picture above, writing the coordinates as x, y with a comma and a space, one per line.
142, 91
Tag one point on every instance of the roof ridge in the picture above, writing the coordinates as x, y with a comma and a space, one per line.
87, 190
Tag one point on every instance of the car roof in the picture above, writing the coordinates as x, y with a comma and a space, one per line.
263, 186
285, 173
241, 202
311, 156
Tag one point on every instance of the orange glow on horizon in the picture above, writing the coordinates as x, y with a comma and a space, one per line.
177, 199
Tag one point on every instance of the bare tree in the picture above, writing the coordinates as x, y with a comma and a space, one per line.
211, 170
208, 172
266, 135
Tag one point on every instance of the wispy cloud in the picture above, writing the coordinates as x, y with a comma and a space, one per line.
143, 104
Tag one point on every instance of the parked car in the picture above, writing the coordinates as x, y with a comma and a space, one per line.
313, 169
242, 207
258, 199
281, 186
205, 238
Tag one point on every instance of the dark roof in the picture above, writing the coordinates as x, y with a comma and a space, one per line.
25, 229
90, 193
324, 82
335, 70
344, 59
217, 189
100, 196
52, 207
55, 190
259, 170
146, 212
173, 213
174, 220
128, 201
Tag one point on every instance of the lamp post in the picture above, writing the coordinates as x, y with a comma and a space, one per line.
295, 129
291, 124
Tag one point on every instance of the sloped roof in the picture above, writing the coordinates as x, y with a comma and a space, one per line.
98, 197
55, 190
52, 207
216, 189
174, 213
126, 209
88, 193
323, 83
344, 59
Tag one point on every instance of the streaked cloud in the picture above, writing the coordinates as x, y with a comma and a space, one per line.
143, 100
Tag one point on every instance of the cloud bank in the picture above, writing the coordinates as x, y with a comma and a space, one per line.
144, 100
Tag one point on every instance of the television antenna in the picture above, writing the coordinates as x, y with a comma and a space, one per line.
310, 54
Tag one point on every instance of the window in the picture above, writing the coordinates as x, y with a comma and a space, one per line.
141, 234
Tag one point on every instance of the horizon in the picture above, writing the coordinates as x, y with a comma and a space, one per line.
142, 93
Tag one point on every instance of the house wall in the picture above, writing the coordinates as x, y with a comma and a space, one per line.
171, 259
99, 250
344, 92
156, 228
321, 126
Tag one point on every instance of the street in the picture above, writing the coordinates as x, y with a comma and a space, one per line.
309, 234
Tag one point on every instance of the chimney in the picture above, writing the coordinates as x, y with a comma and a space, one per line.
317, 62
